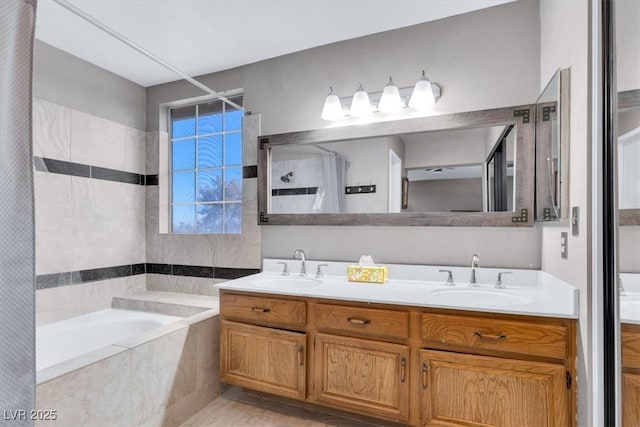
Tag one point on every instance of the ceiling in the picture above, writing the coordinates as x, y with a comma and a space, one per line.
204, 36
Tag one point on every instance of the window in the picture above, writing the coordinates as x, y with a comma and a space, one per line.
206, 168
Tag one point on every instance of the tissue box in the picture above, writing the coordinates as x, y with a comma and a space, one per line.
357, 273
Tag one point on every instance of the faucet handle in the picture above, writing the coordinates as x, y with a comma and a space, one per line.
285, 270
499, 284
319, 274
449, 281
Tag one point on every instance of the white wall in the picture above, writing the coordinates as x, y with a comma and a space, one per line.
485, 59
564, 36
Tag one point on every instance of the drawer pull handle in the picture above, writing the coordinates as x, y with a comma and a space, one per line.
489, 337
300, 355
357, 321
260, 309
403, 370
425, 371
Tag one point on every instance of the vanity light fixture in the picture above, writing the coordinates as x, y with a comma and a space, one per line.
360, 106
332, 109
422, 97
390, 100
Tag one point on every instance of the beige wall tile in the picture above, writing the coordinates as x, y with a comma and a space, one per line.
53, 305
95, 198
183, 284
98, 242
52, 194
135, 156
51, 130
96, 141
97, 395
54, 244
163, 372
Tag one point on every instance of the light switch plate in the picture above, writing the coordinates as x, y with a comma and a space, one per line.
575, 220
564, 244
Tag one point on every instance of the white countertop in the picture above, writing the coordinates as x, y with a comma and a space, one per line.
630, 299
532, 292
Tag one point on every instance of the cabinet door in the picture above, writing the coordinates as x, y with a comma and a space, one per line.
365, 376
469, 390
263, 359
630, 400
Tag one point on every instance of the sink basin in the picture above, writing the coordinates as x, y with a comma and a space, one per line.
479, 296
287, 282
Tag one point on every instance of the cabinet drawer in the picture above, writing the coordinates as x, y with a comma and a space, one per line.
493, 334
367, 321
630, 348
264, 310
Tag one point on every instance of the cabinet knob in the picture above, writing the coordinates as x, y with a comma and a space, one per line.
300, 355
403, 370
260, 309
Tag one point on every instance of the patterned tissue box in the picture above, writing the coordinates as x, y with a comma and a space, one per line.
357, 273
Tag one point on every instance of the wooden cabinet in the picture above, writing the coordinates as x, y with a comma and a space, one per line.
471, 390
413, 365
265, 359
371, 377
630, 375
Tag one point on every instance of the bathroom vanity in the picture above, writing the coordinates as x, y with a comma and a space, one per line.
412, 350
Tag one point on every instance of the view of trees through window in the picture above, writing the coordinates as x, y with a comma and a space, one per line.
206, 168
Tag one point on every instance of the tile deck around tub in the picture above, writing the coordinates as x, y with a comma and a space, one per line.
237, 407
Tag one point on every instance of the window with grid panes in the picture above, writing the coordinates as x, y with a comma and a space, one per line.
206, 168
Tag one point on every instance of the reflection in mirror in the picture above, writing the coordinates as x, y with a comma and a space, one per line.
461, 170
552, 145
629, 156
473, 168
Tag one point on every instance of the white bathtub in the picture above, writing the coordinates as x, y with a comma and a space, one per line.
65, 340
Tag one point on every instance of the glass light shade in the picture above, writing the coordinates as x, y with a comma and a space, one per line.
390, 102
422, 96
332, 109
360, 105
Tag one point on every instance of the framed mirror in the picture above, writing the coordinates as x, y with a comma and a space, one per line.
464, 169
629, 157
552, 149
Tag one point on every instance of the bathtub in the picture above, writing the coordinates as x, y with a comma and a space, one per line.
127, 367
71, 338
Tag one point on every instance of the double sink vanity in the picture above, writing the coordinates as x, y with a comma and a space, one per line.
419, 349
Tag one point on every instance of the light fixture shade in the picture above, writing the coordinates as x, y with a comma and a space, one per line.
332, 109
360, 105
390, 102
422, 97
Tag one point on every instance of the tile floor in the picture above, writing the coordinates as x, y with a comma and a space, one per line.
239, 408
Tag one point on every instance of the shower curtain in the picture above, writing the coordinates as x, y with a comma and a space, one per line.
330, 196
17, 266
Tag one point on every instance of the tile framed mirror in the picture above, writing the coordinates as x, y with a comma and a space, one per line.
465, 169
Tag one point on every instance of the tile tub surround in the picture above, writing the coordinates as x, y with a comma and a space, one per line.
414, 285
160, 378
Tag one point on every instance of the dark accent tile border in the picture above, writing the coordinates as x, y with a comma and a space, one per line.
233, 273
116, 175
158, 268
151, 180
250, 171
294, 191
192, 271
46, 281
62, 167
200, 271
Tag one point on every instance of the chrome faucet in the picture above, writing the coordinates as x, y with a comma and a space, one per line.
475, 264
299, 254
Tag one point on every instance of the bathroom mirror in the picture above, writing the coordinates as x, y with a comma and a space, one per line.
629, 157
552, 149
473, 168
